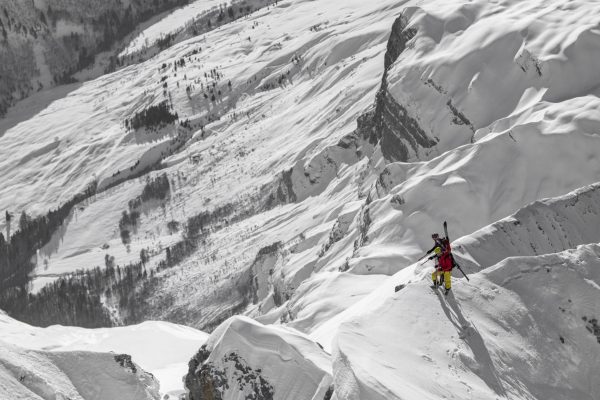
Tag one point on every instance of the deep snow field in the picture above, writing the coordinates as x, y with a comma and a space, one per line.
328, 219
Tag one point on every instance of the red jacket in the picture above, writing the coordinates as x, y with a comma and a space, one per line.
446, 263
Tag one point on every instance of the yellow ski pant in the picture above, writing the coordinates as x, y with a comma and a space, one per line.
447, 275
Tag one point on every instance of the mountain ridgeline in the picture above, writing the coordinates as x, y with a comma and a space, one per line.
42, 44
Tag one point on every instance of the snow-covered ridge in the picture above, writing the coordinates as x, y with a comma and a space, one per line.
243, 358
520, 329
473, 68
76, 375
546, 226
508, 133
161, 348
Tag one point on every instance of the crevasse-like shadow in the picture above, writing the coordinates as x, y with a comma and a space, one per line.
485, 368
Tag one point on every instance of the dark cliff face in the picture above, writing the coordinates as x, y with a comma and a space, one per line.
43, 46
389, 122
205, 381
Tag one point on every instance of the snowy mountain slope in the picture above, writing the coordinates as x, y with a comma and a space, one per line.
44, 44
346, 81
470, 187
520, 329
27, 374
232, 162
102, 106
471, 65
168, 25
244, 359
545, 226
161, 348
473, 185
283, 204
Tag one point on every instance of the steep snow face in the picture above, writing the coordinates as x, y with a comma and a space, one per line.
470, 187
473, 64
522, 147
244, 359
546, 226
160, 348
77, 375
479, 183
524, 328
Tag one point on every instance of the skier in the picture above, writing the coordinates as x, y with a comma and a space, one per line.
439, 242
444, 264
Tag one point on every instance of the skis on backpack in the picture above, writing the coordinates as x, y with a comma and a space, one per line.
453, 260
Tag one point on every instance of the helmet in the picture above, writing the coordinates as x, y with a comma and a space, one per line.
437, 250
435, 236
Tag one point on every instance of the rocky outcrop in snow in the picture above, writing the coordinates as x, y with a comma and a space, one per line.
398, 133
243, 358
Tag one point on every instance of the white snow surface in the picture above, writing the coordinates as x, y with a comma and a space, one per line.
77, 375
169, 24
294, 366
160, 348
507, 89
498, 336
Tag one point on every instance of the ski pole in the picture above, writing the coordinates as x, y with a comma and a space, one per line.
430, 258
460, 269
426, 254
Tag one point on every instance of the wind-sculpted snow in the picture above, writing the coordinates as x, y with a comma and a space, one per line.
495, 154
472, 64
259, 128
477, 184
161, 348
77, 375
545, 226
470, 187
284, 205
517, 330
244, 359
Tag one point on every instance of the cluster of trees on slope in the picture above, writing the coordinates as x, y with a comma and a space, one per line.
82, 298
17, 252
156, 189
152, 117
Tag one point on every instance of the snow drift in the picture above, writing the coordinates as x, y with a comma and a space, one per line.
245, 359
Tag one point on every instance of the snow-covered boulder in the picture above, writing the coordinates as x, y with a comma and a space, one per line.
244, 359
